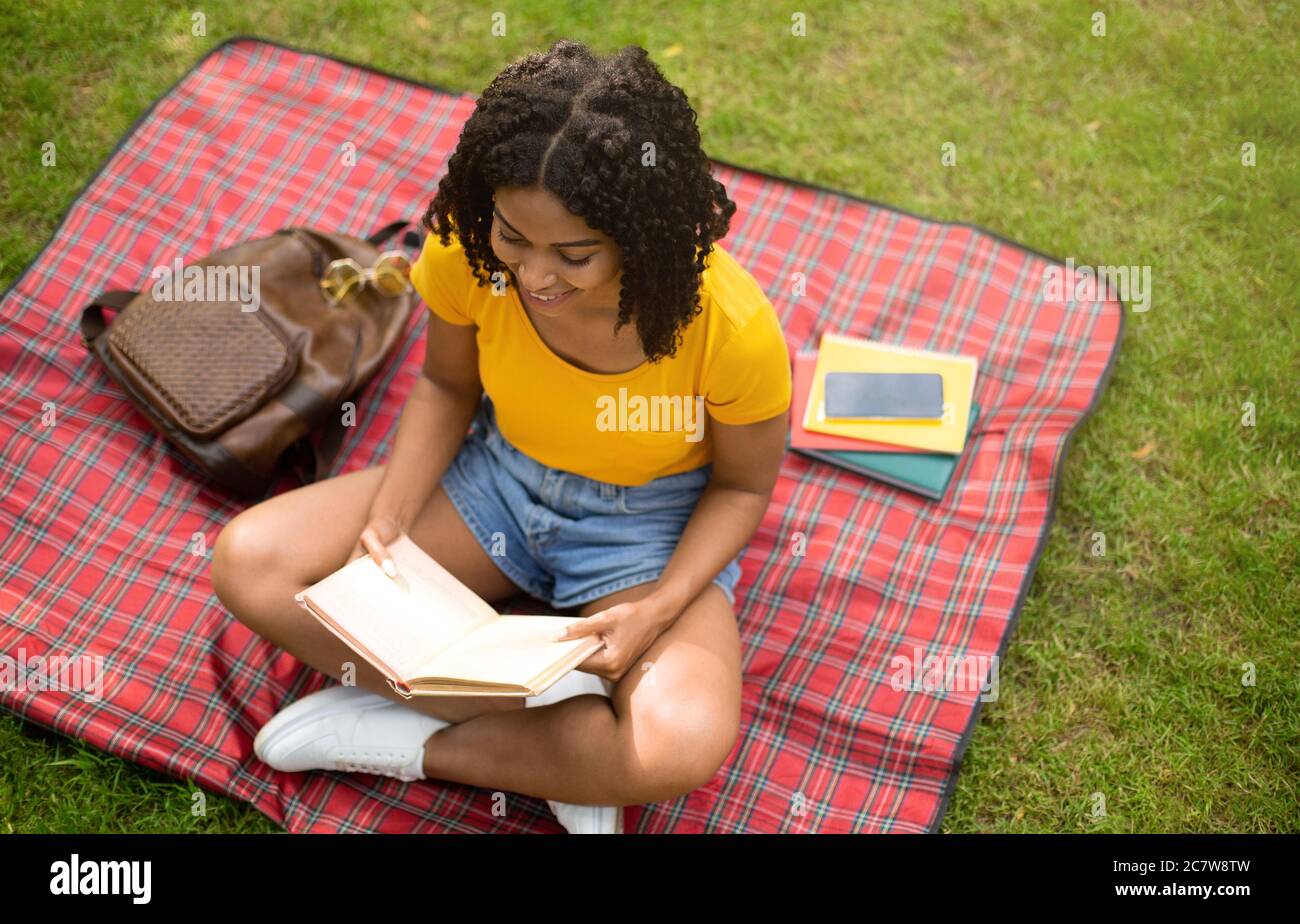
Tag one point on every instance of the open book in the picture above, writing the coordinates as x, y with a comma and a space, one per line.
430, 635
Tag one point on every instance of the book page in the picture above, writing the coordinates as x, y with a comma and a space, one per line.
405, 622
511, 649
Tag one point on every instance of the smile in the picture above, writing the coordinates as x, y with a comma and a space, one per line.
548, 299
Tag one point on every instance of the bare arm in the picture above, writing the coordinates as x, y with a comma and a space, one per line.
746, 462
438, 411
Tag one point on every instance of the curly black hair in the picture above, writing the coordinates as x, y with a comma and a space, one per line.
576, 124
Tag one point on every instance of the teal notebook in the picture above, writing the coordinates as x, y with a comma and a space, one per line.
924, 473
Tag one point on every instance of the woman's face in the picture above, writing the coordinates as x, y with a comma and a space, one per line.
551, 252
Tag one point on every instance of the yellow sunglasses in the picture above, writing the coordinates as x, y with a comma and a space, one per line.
389, 275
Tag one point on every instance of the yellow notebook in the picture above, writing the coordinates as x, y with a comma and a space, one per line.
840, 353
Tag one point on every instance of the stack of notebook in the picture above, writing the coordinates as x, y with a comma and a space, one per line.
895, 414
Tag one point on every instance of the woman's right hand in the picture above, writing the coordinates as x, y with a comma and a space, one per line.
374, 540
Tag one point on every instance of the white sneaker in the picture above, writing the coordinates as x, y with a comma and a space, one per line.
348, 729
588, 819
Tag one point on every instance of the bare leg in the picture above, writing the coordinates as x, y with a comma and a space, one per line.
664, 733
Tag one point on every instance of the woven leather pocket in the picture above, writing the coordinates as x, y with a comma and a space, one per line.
206, 366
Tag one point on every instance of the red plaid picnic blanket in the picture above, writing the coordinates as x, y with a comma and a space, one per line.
107, 533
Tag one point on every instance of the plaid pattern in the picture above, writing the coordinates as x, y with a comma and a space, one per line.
105, 536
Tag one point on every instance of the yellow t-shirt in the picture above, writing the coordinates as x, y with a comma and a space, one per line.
630, 427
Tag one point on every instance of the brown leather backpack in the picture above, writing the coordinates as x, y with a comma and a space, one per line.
239, 391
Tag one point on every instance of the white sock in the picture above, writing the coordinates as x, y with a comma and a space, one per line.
574, 683
416, 766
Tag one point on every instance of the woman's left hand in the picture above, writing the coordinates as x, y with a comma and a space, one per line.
627, 629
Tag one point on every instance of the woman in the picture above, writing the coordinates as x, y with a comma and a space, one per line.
636, 385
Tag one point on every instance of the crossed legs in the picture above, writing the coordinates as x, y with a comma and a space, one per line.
671, 720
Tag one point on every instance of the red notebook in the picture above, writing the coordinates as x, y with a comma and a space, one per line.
804, 363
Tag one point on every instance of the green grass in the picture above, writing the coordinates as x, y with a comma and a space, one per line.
1123, 677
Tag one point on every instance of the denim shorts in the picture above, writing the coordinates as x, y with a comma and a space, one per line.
562, 537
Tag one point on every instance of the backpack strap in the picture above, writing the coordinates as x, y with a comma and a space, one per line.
311, 463
92, 316
410, 239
